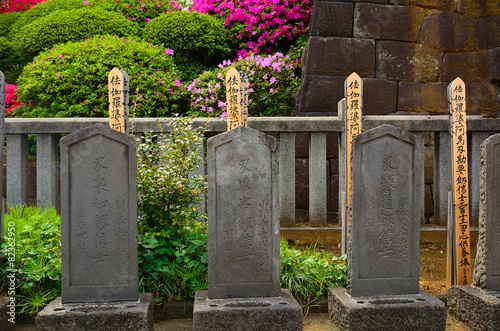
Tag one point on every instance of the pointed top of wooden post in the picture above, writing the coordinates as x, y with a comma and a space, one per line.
233, 99
118, 84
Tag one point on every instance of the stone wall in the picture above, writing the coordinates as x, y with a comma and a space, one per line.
407, 52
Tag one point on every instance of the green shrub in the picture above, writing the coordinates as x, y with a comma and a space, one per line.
198, 40
308, 273
71, 80
74, 25
43, 9
172, 244
7, 20
37, 265
274, 80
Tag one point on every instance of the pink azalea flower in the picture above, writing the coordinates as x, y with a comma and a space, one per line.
177, 82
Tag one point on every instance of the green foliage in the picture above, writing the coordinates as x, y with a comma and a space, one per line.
309, 273
9, 60
7, 20
198, 40
43, 9
75, 25
172, 242
37, 257
71, 80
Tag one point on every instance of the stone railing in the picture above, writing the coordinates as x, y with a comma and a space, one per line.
48, 132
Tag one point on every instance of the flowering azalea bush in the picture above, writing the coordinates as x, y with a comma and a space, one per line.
11, 101
71, 80
262, 24
18, 5
273, 83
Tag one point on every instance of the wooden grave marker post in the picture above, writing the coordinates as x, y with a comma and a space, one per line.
244, 97
118, 84
353, 91
233, 99
460, 185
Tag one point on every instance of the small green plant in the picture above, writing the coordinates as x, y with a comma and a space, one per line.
172, 243
308, 273
37, 257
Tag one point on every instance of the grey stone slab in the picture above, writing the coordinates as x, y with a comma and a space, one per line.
317, 179
47, 180
126, 316
480, 310
17, 169
282, 312
7, 313
442, 176
420, 311
243, 225
487, 268
99, 216
385, 212
474, 142
287, 179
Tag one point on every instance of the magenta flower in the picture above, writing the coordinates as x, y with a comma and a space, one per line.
272, 80
58, 74
85, 3
224, 114
61, 56
169, 51
177, 82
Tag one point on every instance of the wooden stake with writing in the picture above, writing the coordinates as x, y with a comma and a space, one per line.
233, 99
118, 84
353, 91
244, 97
460, 176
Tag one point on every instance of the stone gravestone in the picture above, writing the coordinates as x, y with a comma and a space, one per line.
478, 304
118, 84
382, 288
98, 236
243, 238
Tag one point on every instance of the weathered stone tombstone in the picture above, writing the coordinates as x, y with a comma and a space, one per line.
383, 289
98, 236
243, 238
118, 84
478, 305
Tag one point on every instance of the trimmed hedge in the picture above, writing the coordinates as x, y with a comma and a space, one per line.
7, 20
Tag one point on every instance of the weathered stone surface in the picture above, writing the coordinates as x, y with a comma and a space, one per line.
319, 93
418, 98
447, 5
407, 61
479, 310
5, 309
99, 216
486, 28
494, 66
470, 67
449, 32
478, 8
380, 96
339, 57
384, 213
281, 312
487, 267
482, 97
420, 311
387, 22
243, 224
128, 315
331, 19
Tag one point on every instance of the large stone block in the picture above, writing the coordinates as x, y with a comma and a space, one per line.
488, 35
447, 5
407, 61
282, 312
339, 57
409, 312
482, 97
104, 316
478, 8
478, 309
387, 22
331, 19
449, 32
319, 93
470, 67
423, 98
494, 65
380, 96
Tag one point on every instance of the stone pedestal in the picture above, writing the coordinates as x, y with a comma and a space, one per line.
396, 312
123, 315
5, 325
269, 313
479, 309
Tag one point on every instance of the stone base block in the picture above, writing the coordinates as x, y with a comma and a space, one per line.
270, 313
399, 312
5, 309
124, 315
479, 309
